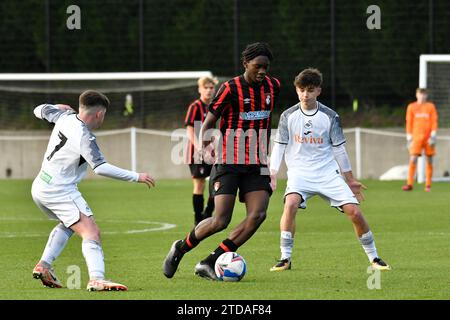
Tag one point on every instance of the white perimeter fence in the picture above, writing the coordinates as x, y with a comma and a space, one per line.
372, 152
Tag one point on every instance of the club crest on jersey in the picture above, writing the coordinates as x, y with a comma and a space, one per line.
267, 98
308, 125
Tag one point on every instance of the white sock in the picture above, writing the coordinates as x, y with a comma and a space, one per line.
368, 244
57, 240
286, 244
93, 254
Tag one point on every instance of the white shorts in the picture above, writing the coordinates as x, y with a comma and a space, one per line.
65, 208
335, 190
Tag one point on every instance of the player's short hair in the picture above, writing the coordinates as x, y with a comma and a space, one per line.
205, 80
256, 49
90, 99
310, 77
421, 90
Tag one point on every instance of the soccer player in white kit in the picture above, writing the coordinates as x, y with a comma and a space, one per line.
311, 139
71, 148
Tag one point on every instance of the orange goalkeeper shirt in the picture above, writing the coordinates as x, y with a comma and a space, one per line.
421, 119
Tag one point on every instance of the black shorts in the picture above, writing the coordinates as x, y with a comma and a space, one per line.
200, 170
228, 178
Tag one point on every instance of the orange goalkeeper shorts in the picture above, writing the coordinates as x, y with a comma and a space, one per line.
418, 145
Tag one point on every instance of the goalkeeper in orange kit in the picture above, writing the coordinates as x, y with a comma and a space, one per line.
421, 128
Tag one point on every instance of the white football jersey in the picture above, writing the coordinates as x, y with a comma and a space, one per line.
309, 140
70, 149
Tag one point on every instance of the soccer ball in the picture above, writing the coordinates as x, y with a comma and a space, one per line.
230, 266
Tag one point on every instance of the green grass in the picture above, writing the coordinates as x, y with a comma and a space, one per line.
411, 232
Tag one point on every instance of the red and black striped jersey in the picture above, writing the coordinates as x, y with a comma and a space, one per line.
196, 112
245, 111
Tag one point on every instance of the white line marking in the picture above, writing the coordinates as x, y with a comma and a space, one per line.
159, 226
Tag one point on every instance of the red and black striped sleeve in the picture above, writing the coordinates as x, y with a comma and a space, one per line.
276, 86
221, 100
191, 114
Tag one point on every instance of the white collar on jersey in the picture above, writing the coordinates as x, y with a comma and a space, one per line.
310, 112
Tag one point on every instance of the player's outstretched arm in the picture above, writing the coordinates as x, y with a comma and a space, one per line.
51, 112
108, 170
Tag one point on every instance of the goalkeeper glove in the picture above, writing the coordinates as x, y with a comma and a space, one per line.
432, 139
408, 140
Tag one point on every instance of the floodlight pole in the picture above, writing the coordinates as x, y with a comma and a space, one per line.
47, 35
141, 58
430, 25
236, 37
332, 54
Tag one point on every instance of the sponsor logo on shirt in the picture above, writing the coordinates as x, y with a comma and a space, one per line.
422, 115
308, 140
255, 115
45, 176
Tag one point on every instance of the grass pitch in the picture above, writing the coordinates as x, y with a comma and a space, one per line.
411, 232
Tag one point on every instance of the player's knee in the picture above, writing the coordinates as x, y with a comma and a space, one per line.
354, 213
257, 218
220, 223
262, 216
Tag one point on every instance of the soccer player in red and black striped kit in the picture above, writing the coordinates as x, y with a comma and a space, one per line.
244, 104
195, 117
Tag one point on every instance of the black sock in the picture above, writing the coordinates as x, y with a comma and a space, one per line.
198, 202
226, 246
190, 242
209, 208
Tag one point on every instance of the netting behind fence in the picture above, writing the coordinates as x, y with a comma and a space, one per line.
153, 103
438, 84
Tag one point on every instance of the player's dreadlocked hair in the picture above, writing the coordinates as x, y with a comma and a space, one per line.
257, 49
